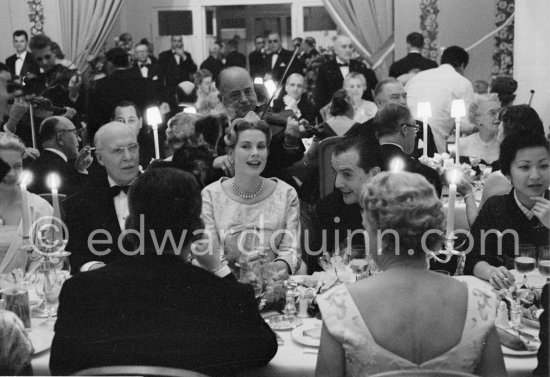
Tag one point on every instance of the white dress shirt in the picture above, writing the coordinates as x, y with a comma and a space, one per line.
19, 62
440, 86
274, 58
176, 56
121, 205
344, 69
144, 70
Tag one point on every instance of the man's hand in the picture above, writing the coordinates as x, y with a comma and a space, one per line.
226, 164
31, 153
18, 109
292, 129
69, 113
542, 210
74, 86
501, 278
181, 53
290, 103
83, 160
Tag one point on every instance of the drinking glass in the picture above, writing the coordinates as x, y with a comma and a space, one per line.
544, 262
525, 260
53, 281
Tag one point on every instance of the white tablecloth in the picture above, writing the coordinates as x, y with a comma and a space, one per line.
294, 359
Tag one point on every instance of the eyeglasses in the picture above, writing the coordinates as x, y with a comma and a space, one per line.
413, 126
131, 148
272, 40
76, 131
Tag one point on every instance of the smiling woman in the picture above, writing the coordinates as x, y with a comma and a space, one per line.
248, 216
521, 216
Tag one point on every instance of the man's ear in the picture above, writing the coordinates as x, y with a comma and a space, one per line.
374, 171
99, 158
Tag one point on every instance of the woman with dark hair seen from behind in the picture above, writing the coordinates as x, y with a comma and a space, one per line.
234, 208
525, 209
356, 339
163, 315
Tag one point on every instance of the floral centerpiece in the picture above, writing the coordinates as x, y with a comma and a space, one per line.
443, 163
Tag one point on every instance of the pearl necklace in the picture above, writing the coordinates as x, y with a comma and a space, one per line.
248, 196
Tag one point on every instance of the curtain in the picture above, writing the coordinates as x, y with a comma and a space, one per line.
85, 25
369, 24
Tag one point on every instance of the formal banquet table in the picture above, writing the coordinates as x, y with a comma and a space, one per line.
294, 358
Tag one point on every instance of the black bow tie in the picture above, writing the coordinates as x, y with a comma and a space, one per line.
115, 190
343, 64
141, 65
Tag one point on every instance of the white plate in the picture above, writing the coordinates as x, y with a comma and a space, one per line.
41, 339
510, 352
298, 335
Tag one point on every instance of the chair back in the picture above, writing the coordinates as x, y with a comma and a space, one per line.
423, 373
138, 370
326, 174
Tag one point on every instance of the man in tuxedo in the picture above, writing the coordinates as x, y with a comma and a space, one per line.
155, 308
256, 59
128, 113
214, 61
122, 85
330, 76
59, 140
233, 56
144, 67
96, 215
390, 90
278, 59
293, 99
338, 215
414, 61
309, 51
396, 130
177, 65
22, 61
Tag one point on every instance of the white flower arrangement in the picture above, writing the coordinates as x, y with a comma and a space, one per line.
443, 163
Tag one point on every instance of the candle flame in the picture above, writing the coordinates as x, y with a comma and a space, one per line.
454, 176
25, 178
397, 165
270, 86
53, 181
190, 110
258, 80
153, 116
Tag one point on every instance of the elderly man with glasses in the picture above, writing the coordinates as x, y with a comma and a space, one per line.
96, 215
59, 139
396, 130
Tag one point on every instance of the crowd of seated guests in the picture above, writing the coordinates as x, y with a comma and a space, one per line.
243, 151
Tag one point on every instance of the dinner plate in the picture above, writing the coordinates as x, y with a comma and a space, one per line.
510, 352
300, 335
41, 339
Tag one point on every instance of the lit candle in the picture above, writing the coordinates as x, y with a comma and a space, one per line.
154, 119
424, 111
258, 80
453, 177
190, 110
25, 179
458, 110
271, 87
53, 182
397, 165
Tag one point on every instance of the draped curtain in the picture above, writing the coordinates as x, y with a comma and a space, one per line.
369, 24
85, 26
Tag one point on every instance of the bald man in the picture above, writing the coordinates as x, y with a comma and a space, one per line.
96, 215
59, 139
330, 76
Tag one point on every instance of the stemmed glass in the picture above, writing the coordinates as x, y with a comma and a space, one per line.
53, 280
525, 261
544, 262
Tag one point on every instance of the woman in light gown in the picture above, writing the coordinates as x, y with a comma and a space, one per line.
11, 228
355, 85
406, 317
249, 213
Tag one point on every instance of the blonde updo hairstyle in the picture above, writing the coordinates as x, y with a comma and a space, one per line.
11, 142
250, 122
407, 204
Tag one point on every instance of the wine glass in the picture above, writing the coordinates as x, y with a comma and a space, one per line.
53, 281
544, 262
525, 260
